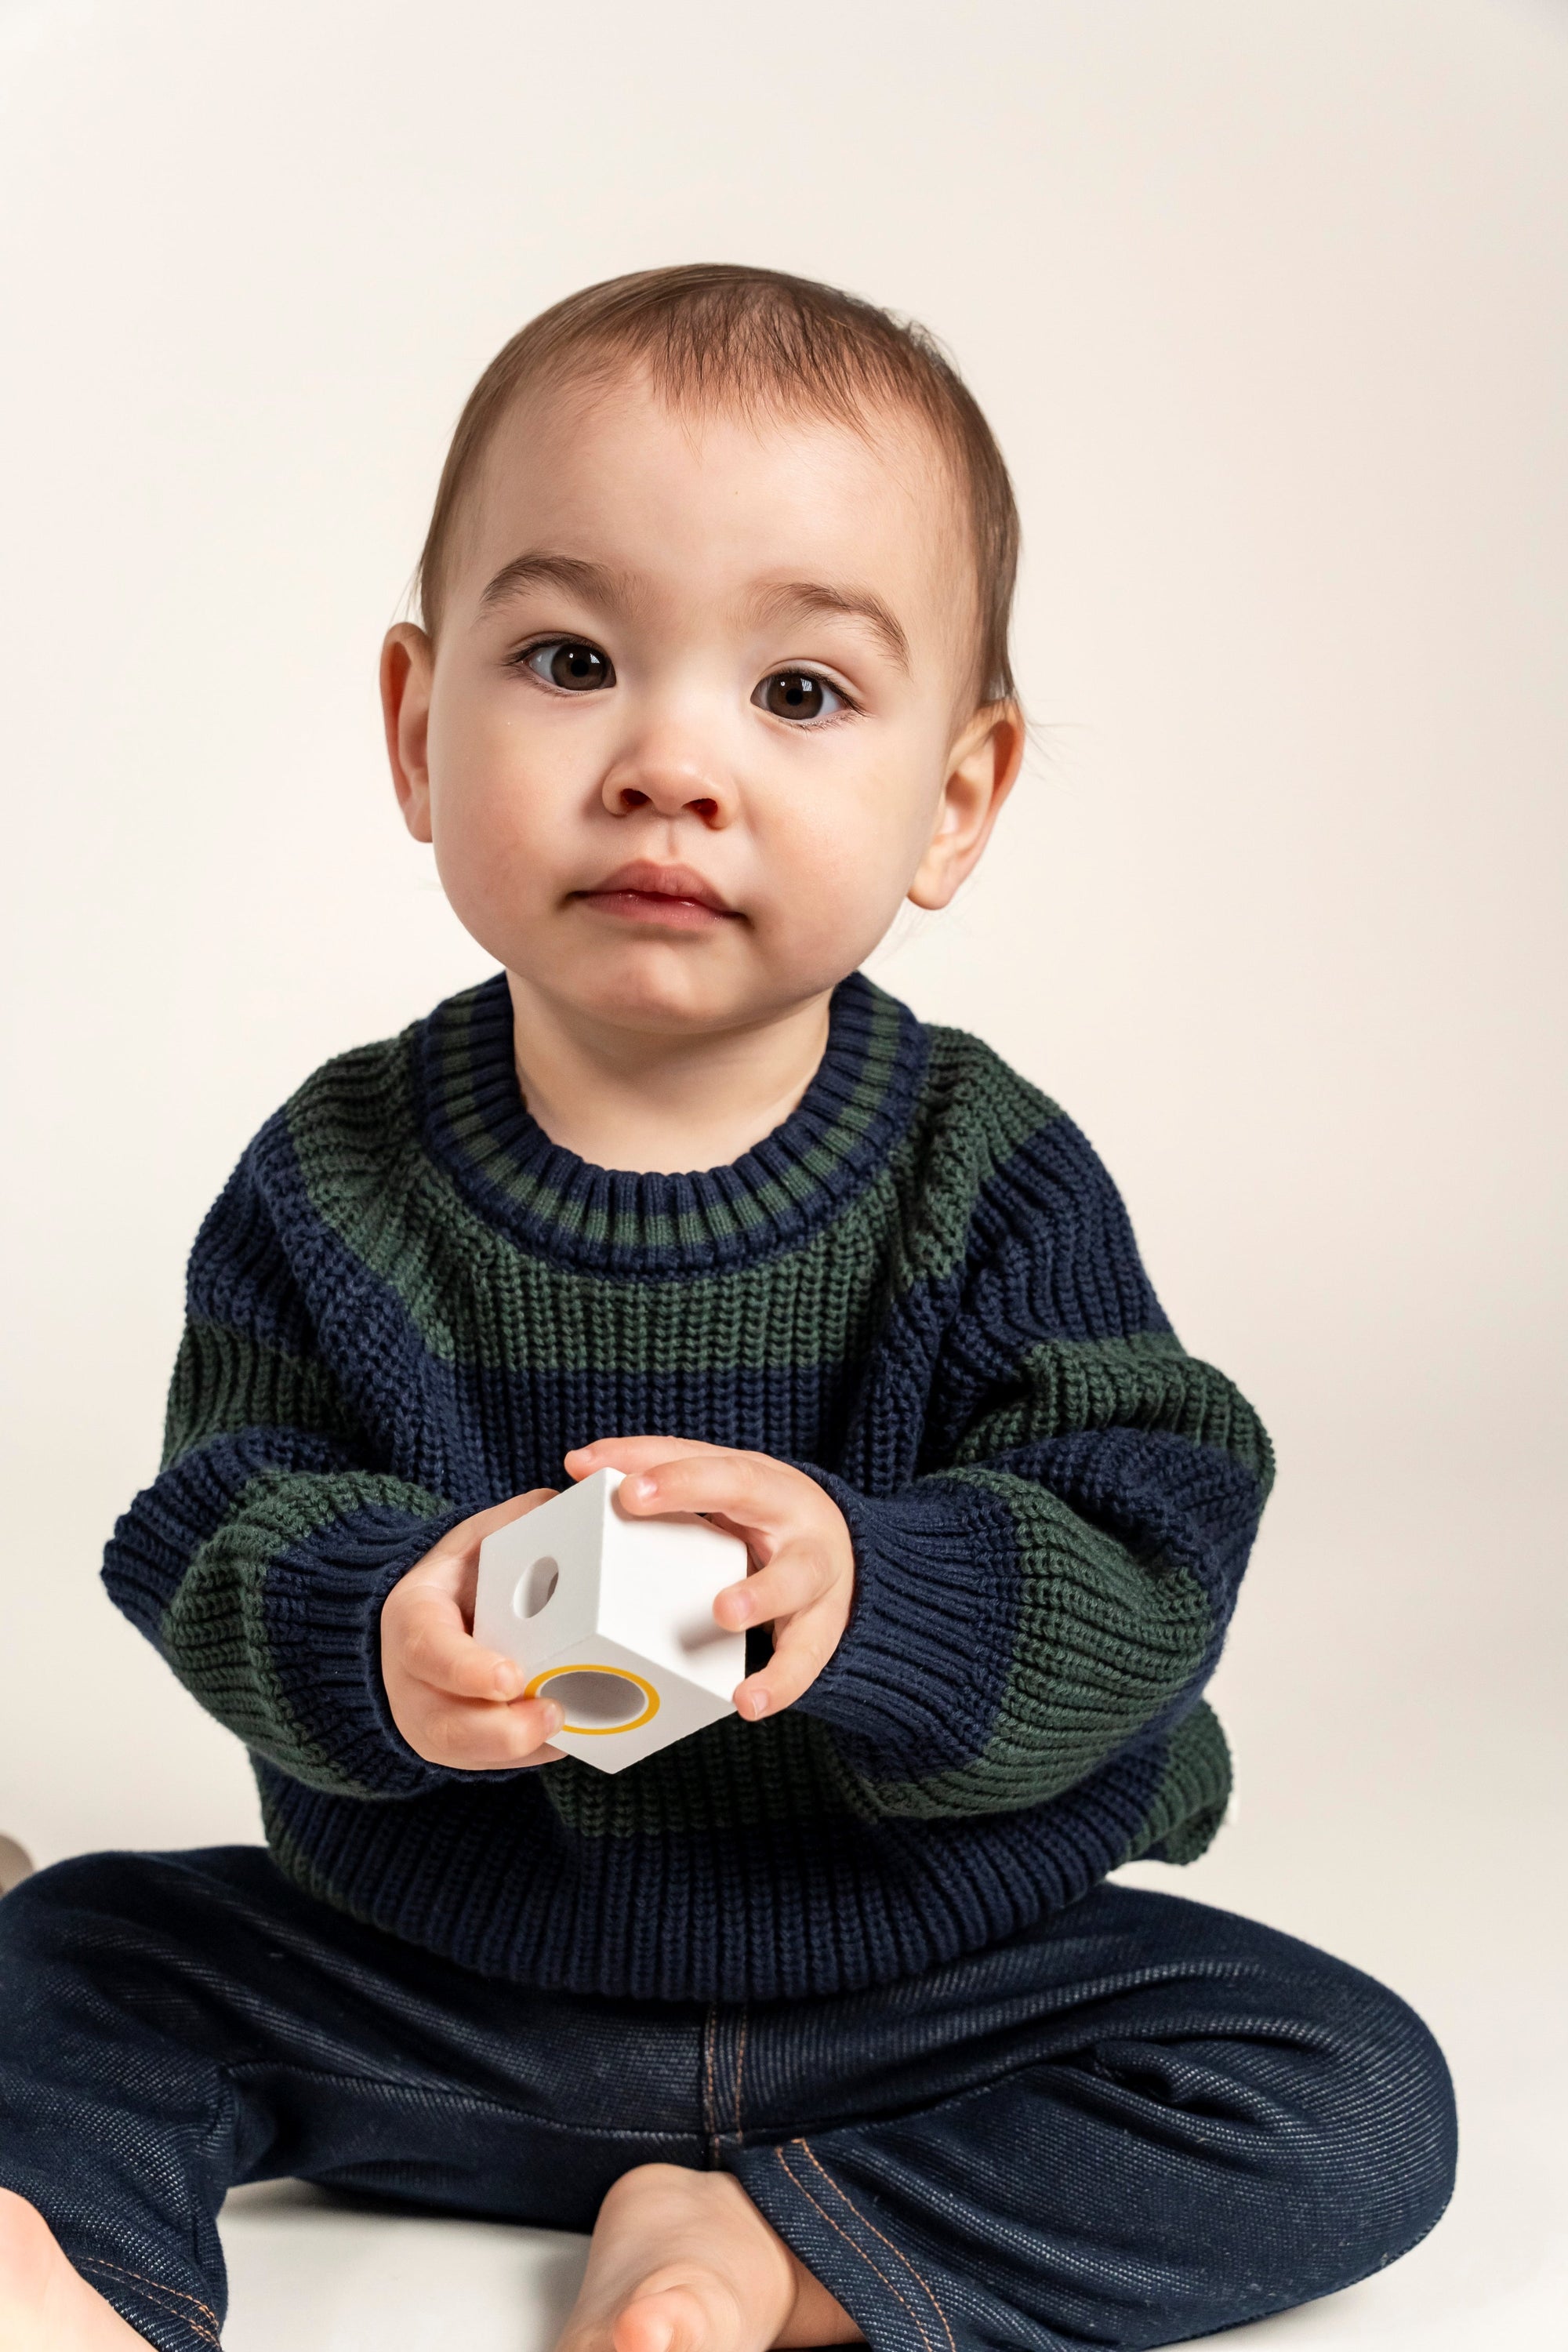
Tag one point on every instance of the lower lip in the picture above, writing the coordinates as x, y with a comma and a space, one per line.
651, 907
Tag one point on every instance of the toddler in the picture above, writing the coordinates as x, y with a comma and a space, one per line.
823, 2020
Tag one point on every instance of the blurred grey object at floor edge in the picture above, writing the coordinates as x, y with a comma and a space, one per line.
16, 1863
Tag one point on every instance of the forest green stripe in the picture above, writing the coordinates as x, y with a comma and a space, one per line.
1101, 1645
818, 1305
524, 1313
214, 1632
225, 1380
1147, 1381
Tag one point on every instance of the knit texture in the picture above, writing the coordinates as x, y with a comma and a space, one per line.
923, 1288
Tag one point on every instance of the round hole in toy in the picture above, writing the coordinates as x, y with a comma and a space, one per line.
598, 1698
535, 1585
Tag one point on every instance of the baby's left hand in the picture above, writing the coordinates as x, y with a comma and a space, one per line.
803, 1576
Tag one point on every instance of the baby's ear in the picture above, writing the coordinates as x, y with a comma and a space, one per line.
407, 663
981, 769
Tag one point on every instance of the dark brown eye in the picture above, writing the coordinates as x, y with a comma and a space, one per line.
798, 694
571, 663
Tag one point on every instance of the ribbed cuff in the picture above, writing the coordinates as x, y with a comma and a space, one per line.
323, 1600
1189, 1803
917, 1679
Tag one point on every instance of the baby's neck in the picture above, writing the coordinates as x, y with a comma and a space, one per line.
655, 1103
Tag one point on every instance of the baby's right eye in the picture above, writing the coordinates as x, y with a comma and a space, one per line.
570, 663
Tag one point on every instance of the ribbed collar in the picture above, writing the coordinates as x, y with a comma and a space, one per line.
609, 1221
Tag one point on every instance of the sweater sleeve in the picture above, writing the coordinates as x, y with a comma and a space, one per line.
1057, 1584
257, 1560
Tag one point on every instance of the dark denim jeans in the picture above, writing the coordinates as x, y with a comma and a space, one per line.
1142, 2121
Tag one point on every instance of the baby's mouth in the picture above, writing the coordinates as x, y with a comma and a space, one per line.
673, 897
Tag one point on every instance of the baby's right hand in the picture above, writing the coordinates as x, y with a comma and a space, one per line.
455, 1702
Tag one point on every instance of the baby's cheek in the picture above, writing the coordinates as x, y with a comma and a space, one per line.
493, 854
838, 892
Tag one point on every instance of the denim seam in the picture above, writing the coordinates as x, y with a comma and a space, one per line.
152, 2288
898, 2256
739, 2063
710, 2106
849, 2241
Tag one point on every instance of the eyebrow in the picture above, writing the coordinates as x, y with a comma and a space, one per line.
810, 599
541, 570
789, 599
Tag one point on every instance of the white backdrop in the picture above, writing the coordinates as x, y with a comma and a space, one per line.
1265, 301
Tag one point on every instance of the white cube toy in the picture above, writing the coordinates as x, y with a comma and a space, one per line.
613, 1618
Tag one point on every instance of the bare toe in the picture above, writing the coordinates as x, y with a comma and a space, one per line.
690, 2315
681, 2261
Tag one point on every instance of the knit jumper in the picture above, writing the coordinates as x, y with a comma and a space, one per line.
922, 1290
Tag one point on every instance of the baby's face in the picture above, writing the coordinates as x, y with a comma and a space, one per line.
696, 721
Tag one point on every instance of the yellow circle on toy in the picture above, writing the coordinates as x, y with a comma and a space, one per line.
601, 1674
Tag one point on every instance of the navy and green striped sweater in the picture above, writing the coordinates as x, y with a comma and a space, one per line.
922, 1288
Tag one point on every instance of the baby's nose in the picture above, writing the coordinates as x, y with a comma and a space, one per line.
671, 785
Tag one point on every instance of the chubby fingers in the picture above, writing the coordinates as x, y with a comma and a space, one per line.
806, 1594
433, 1645
454, 1701
801, 1650
799, 1573
750, 1490
631, 1454
471, 1734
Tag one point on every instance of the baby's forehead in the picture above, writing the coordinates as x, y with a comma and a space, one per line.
872, 474
887, 431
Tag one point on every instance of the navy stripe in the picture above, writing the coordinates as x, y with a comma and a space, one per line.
1168, 1501
819, 1905
238, 1274
934, 1626
1053, 1253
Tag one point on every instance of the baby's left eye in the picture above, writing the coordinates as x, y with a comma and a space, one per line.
798, 694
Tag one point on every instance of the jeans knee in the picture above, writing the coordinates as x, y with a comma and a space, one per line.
1385, 2131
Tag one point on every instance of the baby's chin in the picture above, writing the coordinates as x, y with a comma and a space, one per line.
678, 985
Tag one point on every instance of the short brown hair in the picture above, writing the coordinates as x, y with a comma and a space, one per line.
716, 333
